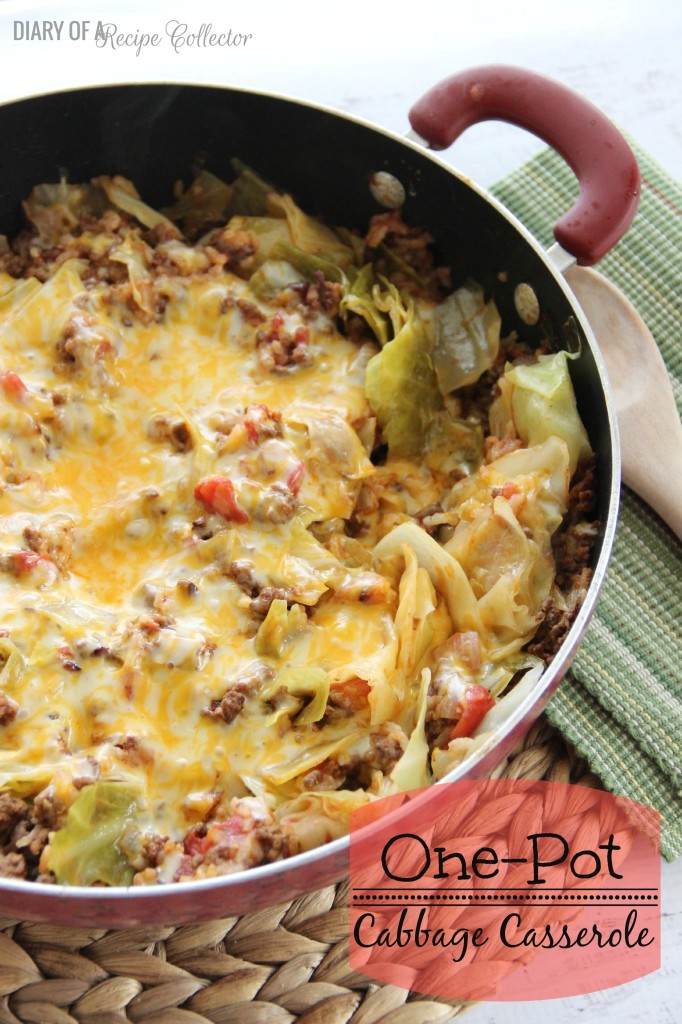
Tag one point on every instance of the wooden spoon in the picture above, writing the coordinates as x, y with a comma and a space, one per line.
650, 429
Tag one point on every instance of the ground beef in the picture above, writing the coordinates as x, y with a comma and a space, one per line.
239, 247
12, 810
250, 311
54, 540
557, 621
319, 295
23, 837
280, 351
572, 545
407, 254
495, 447
83, 348
260, 605
232, 702
173, 431
12, 865
229, 707
330, 774
276, 505
141, 849
242, 572
386, 748
8, 709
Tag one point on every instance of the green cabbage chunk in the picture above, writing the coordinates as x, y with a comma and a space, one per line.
548, 466
16, 296
309, 234
268, 231
304, 681
305, 567
412, 770
539, 402
402, 388
378, 302
11, 665
278, 626
204, 203
85, 850
308, 758
49, 305
56, 209
420, 622
467, 338
135, 255
447, 575
122, 194
249, 191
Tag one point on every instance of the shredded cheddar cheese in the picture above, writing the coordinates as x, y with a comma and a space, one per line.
229, 614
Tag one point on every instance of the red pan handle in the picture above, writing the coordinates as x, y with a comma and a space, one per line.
596, 151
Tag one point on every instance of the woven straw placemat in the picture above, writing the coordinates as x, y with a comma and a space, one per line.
287, 963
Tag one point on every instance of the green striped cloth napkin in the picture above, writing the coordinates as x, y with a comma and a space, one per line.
621, 704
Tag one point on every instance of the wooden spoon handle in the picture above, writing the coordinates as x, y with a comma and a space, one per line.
649, 424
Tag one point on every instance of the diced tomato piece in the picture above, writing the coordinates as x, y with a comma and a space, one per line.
217, 494
257, 420
225, 831
355, 692
295, 477
25, 561
199, 840
254, 414
276, 325
196, 842
12, 384
476, 703
184, 869
302, 335
509, 489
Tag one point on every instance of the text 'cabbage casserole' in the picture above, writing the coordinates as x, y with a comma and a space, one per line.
284, 527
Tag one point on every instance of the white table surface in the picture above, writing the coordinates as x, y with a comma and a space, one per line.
374, 59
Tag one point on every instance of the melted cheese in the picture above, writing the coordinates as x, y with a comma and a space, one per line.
100, 686
175, 511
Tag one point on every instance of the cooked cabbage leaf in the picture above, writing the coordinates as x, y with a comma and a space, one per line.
308, 758
269, 232
377, 301
47, 307
122, 193
11, 665
402, 388
466, 338
513, 573
134, 254
309, 234
249, 191
85, 851
412, 770
420, 623
539, 402
446, 573
287, 265
545, 467
204, 203
379, 671
318, 817
303, 681
56, 209
278, 626
16, 296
